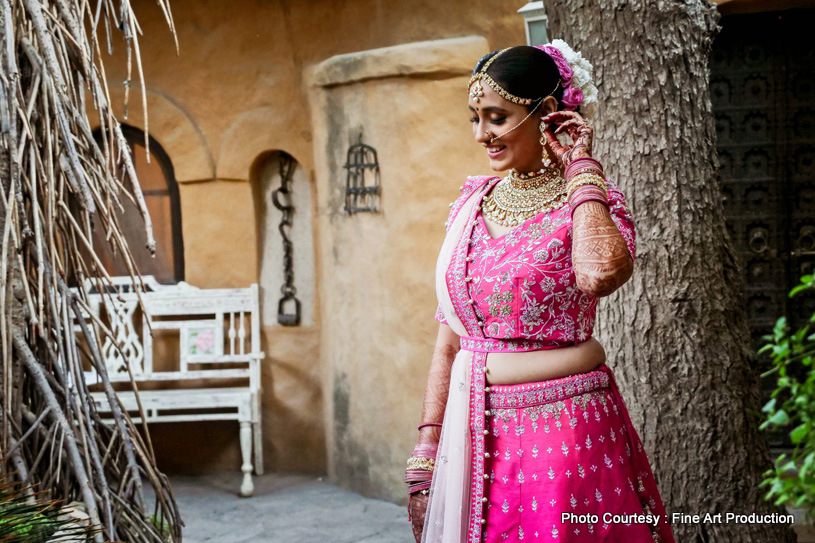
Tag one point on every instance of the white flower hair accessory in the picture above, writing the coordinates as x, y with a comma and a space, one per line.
576, 77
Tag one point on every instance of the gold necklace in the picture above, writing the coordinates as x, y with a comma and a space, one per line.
514, 200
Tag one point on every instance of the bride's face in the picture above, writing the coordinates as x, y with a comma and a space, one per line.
519, 149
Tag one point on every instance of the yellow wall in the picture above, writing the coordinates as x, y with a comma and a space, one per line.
239, 89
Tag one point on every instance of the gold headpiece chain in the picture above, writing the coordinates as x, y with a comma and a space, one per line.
477, 90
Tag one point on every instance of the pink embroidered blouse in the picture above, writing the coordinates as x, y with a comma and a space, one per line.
522, 284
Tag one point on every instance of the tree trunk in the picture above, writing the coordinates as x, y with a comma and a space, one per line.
676, 334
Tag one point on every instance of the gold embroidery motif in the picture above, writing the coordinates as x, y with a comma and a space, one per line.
500, 304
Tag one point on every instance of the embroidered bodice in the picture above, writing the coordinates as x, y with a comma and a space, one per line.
522, 285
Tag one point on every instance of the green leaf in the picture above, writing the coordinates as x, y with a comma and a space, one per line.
781, 350
806, 465
769, 406
800, 334
798, 289
780, 418
780, 328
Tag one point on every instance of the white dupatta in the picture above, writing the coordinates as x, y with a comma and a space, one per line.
446, 518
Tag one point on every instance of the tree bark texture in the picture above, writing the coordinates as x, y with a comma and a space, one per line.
676, 334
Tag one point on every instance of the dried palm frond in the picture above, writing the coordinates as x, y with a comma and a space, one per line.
58, 185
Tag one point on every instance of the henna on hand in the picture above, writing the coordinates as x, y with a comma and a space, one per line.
600, 256
577, 128
418, 509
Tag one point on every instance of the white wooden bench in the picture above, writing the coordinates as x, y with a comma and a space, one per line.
219, 341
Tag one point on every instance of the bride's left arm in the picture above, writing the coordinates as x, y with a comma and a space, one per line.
601, 258
602, 237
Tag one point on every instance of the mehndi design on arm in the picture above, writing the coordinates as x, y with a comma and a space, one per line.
600, 256
438, 386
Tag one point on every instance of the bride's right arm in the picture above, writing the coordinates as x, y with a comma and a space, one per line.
438, 382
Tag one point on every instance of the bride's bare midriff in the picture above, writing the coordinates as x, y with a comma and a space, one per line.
530, 366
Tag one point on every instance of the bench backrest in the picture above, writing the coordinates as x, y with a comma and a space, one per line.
218, 330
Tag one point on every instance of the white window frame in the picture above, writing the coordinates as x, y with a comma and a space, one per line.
533, 12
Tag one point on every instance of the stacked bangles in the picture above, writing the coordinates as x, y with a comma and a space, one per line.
585, 182
419, 472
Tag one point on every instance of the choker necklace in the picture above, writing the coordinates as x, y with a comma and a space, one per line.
530, 175
515, 199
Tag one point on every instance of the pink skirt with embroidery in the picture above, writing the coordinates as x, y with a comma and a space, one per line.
564, 464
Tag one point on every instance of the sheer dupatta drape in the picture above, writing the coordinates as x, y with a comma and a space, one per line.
446, 519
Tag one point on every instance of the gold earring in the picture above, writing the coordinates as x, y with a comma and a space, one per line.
547, 162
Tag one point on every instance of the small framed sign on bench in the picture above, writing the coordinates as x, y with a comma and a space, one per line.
216, 373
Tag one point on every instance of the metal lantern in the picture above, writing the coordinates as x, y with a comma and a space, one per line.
362, 181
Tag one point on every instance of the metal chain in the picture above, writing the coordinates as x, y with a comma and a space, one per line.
286, 167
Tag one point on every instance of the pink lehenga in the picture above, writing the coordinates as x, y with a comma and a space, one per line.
549, 461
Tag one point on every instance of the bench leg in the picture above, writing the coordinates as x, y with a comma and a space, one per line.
246, 453
258, 447
257, 433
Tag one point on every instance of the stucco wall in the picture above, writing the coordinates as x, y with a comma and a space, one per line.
237, 91
376, 356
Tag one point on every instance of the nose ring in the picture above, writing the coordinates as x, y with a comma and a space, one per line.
490, 135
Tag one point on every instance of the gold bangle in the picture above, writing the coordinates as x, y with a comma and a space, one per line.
585, 179
421, 463
587, 169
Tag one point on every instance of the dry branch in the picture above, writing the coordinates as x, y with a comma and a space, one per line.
58, 184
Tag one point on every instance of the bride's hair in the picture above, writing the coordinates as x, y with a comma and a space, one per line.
526, 72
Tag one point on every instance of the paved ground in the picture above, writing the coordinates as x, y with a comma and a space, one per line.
285, 508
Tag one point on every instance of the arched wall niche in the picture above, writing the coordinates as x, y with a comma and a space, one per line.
168, 122
254, 132
265, 177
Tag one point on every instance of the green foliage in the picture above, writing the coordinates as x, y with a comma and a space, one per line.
163, 527
23, 522
792, 407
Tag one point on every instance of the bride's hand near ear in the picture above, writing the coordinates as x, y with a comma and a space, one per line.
577, 128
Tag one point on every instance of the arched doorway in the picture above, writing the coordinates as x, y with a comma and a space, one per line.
160, 190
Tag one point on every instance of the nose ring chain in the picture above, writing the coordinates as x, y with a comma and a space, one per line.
493, 137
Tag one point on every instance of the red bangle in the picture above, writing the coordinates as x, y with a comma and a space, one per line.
587, 193
584, 162
428, 424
